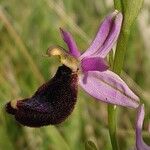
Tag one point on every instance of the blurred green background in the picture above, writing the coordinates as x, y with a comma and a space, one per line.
27, 29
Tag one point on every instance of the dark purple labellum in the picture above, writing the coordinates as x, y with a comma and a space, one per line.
51, 104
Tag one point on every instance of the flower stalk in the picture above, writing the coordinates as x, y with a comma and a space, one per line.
112, 126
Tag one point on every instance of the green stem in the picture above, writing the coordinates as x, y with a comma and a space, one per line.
117, 4
120, 51
117, 67
112, 115
112, 126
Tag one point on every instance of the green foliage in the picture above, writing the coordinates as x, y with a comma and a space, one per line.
89, 145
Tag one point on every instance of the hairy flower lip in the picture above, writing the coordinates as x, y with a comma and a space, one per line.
52, 103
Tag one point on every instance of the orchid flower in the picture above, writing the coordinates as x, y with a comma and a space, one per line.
54, 101
140, 145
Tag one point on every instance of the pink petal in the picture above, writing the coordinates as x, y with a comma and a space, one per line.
140, 145
106, 36
108, 87
67, 37
94, 64
112, 37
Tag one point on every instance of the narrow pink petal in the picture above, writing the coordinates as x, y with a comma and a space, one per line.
106, 36
67, 37
101, 36
94, 64
112, 37
140, 145
108, 87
